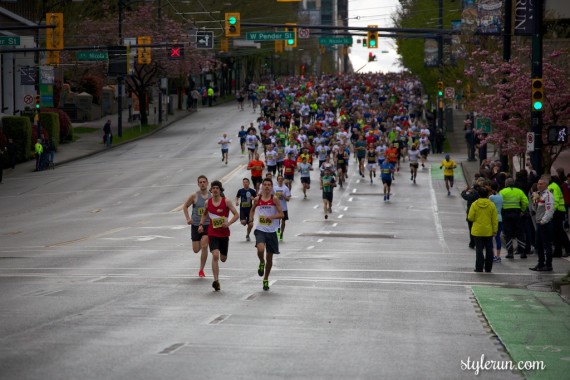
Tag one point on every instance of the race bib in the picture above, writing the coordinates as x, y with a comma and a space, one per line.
288, 170
265, 221
200, 211
279, 194
245, 204
218, 222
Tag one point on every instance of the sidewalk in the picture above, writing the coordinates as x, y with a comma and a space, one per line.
92, 143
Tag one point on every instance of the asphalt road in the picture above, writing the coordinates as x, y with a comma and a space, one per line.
98, 280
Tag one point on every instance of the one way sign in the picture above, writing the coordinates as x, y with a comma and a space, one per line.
204, 40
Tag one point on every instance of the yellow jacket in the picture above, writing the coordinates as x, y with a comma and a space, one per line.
484, 216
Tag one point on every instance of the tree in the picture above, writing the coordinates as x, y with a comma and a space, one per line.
501, 91
143, 21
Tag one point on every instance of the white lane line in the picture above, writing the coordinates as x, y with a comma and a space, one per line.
136, 194
340, 216
350, 199
438, 227
316, 206
311, 247
335, 224
320, 240
354, 190
346, 208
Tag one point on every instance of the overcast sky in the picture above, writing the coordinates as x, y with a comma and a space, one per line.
373, 12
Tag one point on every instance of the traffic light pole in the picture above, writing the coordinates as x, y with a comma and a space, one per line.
120, 78
536, 72
440, 104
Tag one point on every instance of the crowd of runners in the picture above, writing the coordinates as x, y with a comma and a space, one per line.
373, 124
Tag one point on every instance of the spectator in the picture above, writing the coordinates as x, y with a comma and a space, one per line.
484, 219
38, 150
11, 153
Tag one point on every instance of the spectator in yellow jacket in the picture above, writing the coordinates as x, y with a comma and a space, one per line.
484, 216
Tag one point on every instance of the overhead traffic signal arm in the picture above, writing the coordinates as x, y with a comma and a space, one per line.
232, 24
537, 94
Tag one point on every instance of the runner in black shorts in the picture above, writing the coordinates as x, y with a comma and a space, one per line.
244, 199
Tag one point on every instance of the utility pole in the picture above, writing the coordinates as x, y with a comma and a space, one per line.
120, 77
440, 64
536, 72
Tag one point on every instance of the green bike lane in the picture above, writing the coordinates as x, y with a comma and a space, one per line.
533, 326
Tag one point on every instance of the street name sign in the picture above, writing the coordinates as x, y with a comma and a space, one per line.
9, 40
91, 55
335, 40
269, 36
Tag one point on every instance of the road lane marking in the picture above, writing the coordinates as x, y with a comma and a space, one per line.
335, 224
320, 240
438, 227
311, 247
87, 237
350, 199
340, 216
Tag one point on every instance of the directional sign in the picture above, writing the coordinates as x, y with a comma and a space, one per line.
92, 55
269, 36
484, 124
335, 40
28, 75
204, 40
10, 41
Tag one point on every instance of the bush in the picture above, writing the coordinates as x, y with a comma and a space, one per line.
65, 126
19, 129
50, 122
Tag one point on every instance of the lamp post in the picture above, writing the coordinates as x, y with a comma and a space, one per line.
120, 77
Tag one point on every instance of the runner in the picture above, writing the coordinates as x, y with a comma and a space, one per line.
225, 143
271, 159
448, 165
392, 157
328, 183
341, 159
371, 157
386, 175
218, 209
305, 169
289, 166
424, 148
198, 202
251, 142
244, 199
283, 193
242, 134
360, 152
413, 155
268, 214
256, 166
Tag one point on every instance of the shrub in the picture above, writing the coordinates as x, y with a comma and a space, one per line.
65, 126
19, 129
50, 122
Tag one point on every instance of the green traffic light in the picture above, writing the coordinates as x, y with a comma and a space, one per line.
537, 106
290, 42
440, 93
372, 43
232, 20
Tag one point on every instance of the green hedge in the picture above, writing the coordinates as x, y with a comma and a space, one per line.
50, 122
19, 129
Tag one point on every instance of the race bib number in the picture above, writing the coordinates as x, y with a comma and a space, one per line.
245, 204
218, 222
288, 170
265, 221
200, 211
279, 194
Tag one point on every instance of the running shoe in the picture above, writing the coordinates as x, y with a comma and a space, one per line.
326, 216
388, 197
305, 196
448, 193
496, 259
414, 181
330, 209
247, 238
261, 269
384, 198
371, 181
280, 237
216, 285
201, 273
411, 178
265, 285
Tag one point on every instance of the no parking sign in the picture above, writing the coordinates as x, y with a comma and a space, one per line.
530, 142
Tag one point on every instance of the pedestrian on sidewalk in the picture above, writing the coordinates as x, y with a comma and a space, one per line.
515, 203
38, 150
107, 134
543, 205
469, 137
470, 194
483, 215
11, 153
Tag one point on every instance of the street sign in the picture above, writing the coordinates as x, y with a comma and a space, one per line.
204, 40
10, 41
92, 56
530, 142
28, 75
449, 93
335, 40
304, 33
484, 124
269, 36
28, 99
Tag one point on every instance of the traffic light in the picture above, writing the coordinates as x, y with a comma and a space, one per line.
364, 44
371, 57
176, 52
372, 37
54, 36
232, 24
291, 42
38, 102
143, 53
537, 94
557, 134
440, 88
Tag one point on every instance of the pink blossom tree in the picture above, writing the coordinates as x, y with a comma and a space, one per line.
143, 21
501, 91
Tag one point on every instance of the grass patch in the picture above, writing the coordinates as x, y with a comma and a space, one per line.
85, 129
133, 132
446, 146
